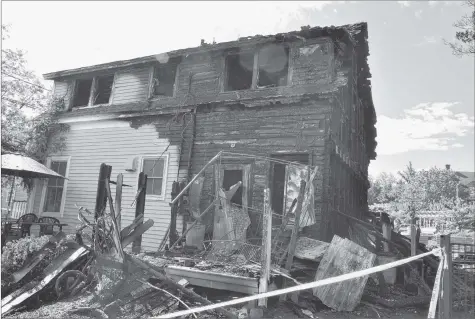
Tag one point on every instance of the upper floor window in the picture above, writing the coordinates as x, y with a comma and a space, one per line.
239, 71
271, 70
164, 79
273, 66
93, 91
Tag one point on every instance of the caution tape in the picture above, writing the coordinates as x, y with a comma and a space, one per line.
315, 284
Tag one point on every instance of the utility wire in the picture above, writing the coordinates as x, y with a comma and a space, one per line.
20, 79
19, 102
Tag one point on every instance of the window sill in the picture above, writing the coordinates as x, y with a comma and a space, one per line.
75, 108
155, 198
162, 98
256, 89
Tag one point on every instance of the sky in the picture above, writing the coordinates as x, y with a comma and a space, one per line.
423, 95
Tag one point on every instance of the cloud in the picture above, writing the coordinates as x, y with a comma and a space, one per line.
458, 145
426, 126
404, 3
418, 14
446, 3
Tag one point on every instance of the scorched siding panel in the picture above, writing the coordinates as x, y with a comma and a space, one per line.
261, 131
116, 146
131, 85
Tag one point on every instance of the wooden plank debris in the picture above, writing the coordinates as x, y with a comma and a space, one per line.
310, 249
7, 306
37, 257
342, 257
187, 292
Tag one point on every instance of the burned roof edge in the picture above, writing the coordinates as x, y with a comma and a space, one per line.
305, 33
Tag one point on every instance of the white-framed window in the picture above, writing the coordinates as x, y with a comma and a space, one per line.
94, 90
54, 190
156, 170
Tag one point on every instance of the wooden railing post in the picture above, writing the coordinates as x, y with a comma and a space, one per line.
140, 208
295, 233
266, 247
446, 301
101, 196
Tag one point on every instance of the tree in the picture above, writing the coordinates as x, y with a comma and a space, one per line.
28, 109
382, 189
22, 94
466, 35
416, 191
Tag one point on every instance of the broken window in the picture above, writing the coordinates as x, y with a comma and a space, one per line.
103, 89
239, 69
164, 79
99, 87
285, 183
82, 93
230, 178
273, 66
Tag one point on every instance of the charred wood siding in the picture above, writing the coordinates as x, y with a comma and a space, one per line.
346, 153
200, 79
261, 131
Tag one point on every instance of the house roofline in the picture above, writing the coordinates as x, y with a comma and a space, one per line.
302, 35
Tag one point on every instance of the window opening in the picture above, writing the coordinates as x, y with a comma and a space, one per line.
164, 79
273, 66
230, 178
82, 93
239, 71
103, 89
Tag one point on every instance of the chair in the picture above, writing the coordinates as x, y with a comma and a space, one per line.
48, 229
25, 229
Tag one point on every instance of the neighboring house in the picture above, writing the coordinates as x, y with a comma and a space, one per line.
303, 96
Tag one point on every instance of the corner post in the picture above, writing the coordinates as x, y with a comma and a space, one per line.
447, 282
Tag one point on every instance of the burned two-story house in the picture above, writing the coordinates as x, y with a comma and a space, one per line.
303, 96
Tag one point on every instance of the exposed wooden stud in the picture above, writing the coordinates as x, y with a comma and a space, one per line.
386, 225
266, 247
118, 200
295, 231
172, 235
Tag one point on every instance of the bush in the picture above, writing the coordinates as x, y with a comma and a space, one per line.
16, 252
